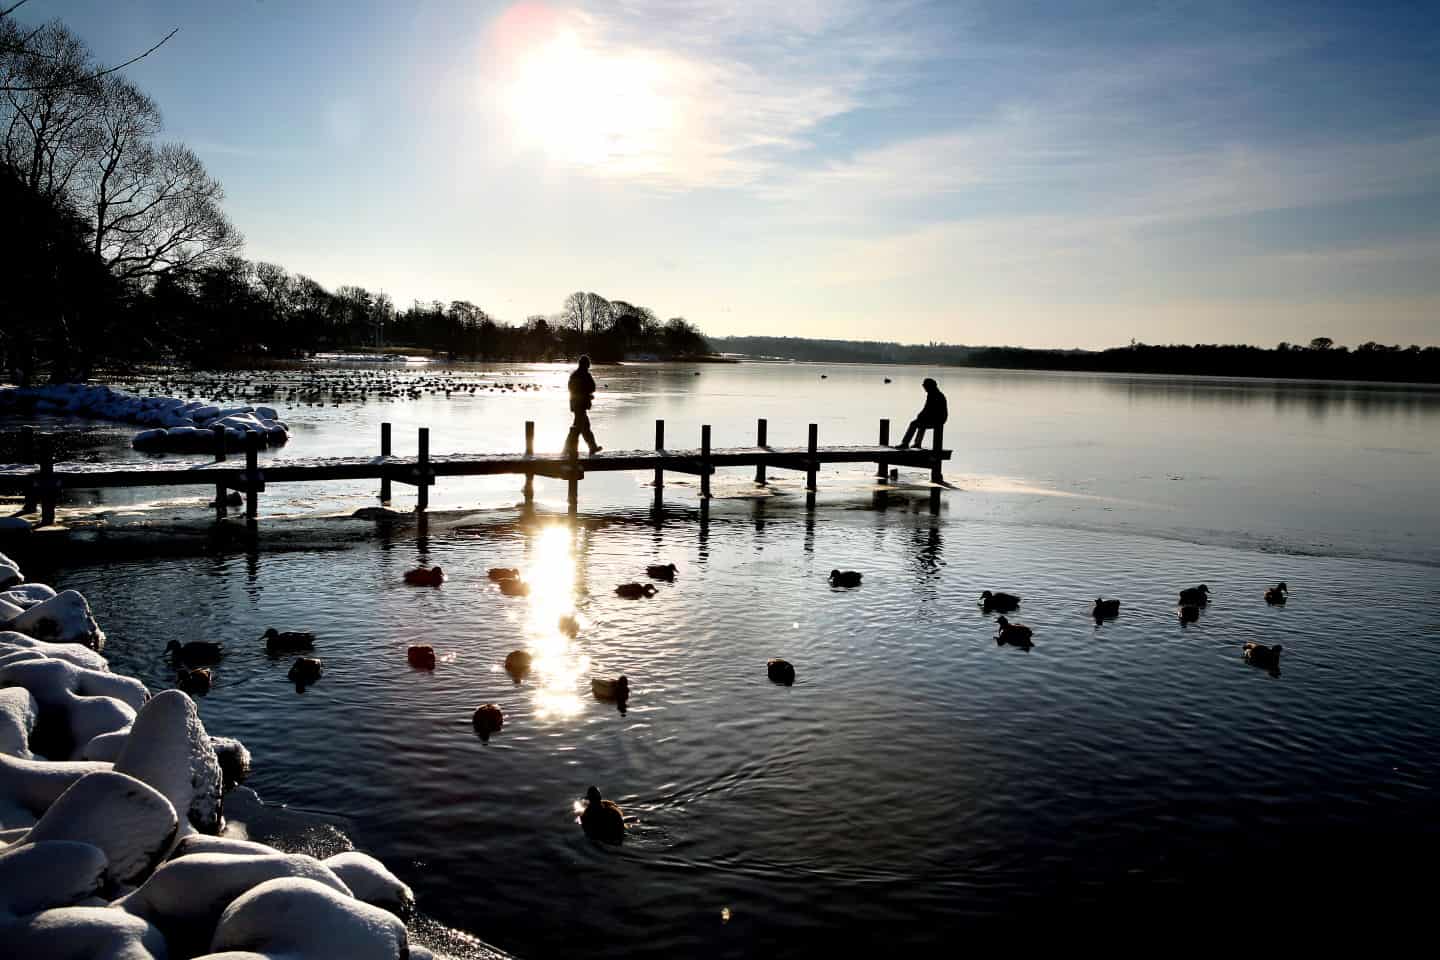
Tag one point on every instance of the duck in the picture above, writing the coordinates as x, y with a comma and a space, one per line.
1189, 613
998, 600
306, 670
503, 573
517, 662
487, 719
194, 681
887, 379
425, 577
1263, 656
569, 625
661, 571
780, 671
421, 656
1276, 595
287, 641
1104, 609
514, 587
844, 578
1195, 596
196, 653
605, 689
602, 819
634, 591
1014, 634
894, 474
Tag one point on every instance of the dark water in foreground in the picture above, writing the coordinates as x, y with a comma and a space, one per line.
917, 784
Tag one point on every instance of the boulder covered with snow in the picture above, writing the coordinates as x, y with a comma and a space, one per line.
64, 618
369, 880
18, 712
52, 873
84, 933
130, 821
19, 646
304, 919
168, 749
76, 704
30, 787
10, 575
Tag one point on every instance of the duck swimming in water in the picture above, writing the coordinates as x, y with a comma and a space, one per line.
305, 671
194, 681
1013, 634
503, 573
1189, 613
196, 653
1105, 609
277, 642
999, 600
845, 578
517, 663
421, 656
605, 689
568, 625
634, 591
1276, 595
513, 587
487, 719
425, 577
661, 571
1262, 656
602, 819
780, 671
1195, 596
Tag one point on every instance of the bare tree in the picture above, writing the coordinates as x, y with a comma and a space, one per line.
49, 125
585, 311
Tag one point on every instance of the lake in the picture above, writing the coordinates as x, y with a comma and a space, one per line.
918, 782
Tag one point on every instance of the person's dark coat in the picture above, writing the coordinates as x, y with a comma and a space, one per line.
936, 411
582, 391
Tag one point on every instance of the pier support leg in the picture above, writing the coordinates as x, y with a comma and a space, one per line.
936, 465
422, 492
46, 452
252, 469
572, 492
762, 427
705, 462
882, 468
220, 492
385, 452
659, 472
28, 455
812, 466
529, 452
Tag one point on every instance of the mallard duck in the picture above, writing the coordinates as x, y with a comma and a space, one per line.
1003, 602
513, 587
1013, 634
517, 662
634, 591
425, 577
1189, 613
194, 681
844, 578
1276, 595
780, 671
487, 719
602, 819
421, 656
661, 571
1104, 609
1263, 656
504, 573
306, 670
617, 689
196, 653
569, 625
287, 641
1195, 596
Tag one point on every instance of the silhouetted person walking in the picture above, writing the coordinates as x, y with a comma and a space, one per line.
933, 414
582, 394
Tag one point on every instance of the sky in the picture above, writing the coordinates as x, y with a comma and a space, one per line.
1067, 173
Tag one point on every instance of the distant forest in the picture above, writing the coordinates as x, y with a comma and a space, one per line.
1320, 359
115, 250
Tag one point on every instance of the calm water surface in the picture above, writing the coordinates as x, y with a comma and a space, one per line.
918, 782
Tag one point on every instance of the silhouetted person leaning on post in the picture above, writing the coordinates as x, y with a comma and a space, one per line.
933, 414
582, 393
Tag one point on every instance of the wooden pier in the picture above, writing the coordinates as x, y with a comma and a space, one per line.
44, 480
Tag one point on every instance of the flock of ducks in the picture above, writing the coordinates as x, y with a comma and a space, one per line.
318, 387
193, 661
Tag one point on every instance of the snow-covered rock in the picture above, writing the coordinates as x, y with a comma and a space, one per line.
64, 618
17, 718
55, 873
106, 747
303, 919
168, 749
234, 760
76, 705
370, 881
83, 933
10, 575
30, 787
12, 642
199, 843
8, 610
130, 821
26, 595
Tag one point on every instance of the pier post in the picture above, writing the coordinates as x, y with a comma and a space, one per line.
936, 474
705, 461
220, 492
46, 455
882, 467
422, 470
659, 471
252, 474
28, 455
761, 429
384, 470
811, 465
529, 453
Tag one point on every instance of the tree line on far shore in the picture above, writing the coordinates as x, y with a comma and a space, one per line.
115, 249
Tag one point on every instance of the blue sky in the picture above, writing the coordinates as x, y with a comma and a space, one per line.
1036, 173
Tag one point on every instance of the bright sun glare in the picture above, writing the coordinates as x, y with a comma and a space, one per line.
582, 103
558, 669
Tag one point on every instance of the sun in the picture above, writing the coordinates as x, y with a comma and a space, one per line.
577, 99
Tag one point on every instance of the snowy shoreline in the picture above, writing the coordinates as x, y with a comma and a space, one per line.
112, 835
178, 426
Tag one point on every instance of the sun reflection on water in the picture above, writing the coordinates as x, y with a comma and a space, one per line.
557, 668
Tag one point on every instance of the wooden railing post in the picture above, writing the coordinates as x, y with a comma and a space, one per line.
659, 471
937, 475
882, 467
28, 454
811, 465
46, 456
220, 492
529, 453
252, 471
761, 428
705, 461
385, 469
422, 469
